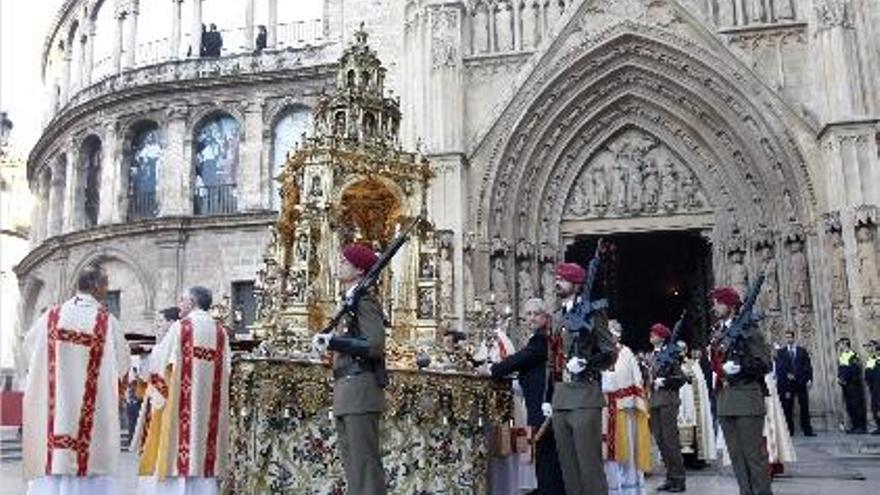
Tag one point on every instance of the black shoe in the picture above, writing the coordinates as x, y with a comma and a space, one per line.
665, 487
809, 434
876, 432
676, 489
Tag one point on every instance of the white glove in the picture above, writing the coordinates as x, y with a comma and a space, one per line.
730, 368
576, 365
484, 369
659, 382
547, 409
320, 342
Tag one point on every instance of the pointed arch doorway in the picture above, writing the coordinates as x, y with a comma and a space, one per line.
653, 276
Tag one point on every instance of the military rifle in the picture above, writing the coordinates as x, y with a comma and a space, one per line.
580, 318
371, 278
745, 320
671, 352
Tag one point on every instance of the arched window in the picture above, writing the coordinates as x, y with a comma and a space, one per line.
216, 165
286, 136
146, 159
89, 187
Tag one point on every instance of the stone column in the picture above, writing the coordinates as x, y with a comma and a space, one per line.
175, 184
110, 204
131, 49
174, 41
249, 170
272, 28
65, 76
250, 41
73, 194
169, 273
56, 199
117, 43
89, 53
195, 35
446, 207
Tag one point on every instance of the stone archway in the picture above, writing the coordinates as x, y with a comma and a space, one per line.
637, 98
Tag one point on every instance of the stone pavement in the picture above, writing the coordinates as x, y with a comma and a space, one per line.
831, 464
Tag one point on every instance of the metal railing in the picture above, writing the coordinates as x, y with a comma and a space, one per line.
215, 200
142, 205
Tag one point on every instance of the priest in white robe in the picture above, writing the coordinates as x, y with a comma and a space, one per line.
77, 360
695, 423
627, 446
186, 447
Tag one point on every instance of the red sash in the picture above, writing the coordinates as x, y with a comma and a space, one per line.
189, 351
613, 397
95, 342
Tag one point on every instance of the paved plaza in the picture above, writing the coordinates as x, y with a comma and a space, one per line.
827, 465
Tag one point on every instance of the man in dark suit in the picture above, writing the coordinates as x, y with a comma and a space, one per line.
531, 365
872, 377
794, 377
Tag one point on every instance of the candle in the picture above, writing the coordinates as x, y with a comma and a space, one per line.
478, 306
491, 297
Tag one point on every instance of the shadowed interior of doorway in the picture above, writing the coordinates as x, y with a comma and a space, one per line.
652, 278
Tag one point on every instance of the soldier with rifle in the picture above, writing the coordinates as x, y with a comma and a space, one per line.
576, 409
741, 358
664, 402
356, 335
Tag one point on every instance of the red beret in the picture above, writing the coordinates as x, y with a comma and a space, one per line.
572, 272
360, 256
660, 330
727, 296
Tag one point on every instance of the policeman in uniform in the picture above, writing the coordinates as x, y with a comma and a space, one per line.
664, 404
872, 377
578, 400
359, 376
740, 396
849, 375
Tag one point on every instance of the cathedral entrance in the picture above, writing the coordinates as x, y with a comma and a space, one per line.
652, 278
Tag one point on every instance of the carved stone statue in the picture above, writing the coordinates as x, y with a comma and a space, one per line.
634, 182
790, 212
800, 276
499, 282
769, 298
691, 196
739, 277
447, 294
525, 282
426, 304
668, 185
468, 279
839, 285
867, 255
783, 10
651, 194
578, 203
618, 187
599, 199
756, 11
726, 13
504, 27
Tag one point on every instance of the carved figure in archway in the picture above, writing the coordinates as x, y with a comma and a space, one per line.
669, 184
468, 278
499, 281
618, 187
769, 299
599, 198
726, 13
447, 303
526, 284
867, 255
839, 285
651, 195
739, 277
578, 204
800, 278
756, 11
783, 10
